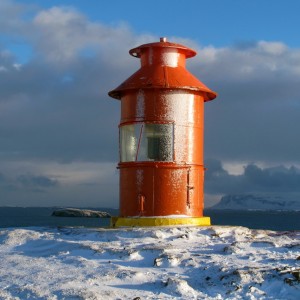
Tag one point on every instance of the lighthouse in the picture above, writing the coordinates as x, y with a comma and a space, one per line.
161, 142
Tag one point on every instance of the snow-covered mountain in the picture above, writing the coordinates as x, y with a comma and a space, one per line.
258, 202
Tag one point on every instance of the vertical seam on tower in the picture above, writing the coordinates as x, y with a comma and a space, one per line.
166, 76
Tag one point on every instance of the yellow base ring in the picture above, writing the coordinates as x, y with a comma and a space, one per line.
144, 222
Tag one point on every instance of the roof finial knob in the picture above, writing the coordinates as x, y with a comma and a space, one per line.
163, 39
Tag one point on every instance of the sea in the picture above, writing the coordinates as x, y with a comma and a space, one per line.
42, 216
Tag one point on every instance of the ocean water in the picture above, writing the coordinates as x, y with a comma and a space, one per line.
41, 216
271, 220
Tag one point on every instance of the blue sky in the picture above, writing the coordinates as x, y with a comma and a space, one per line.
58, 127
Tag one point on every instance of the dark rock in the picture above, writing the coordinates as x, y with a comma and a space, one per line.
296, 274
75, 212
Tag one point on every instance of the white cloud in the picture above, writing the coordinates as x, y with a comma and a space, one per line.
262, 60
63, 34
272, 48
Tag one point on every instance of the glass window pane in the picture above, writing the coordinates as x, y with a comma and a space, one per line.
147, 142
128, 143
159, 141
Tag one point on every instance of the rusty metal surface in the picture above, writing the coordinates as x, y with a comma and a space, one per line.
163, 92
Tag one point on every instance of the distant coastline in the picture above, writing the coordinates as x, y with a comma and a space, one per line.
258, 202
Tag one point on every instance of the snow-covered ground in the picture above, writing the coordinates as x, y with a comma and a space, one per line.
149, 263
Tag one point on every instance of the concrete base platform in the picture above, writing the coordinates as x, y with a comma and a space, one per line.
157, 221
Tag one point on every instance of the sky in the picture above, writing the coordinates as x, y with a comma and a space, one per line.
59, 128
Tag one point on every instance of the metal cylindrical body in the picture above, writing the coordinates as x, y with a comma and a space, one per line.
161, 135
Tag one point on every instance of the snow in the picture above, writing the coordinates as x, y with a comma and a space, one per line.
184, 116
151, 263
170, 57
259, 202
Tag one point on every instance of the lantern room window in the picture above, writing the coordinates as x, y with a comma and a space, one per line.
147, 142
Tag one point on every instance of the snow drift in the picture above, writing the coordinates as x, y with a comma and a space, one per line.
150, 263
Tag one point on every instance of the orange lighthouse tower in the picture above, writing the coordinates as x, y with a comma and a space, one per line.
161, 139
